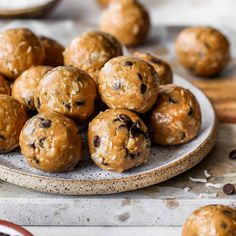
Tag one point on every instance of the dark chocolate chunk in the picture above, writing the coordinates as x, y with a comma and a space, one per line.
132, 156
37, 161
155, 60
79, 103
117, 85
38, 105
190, 112
135, 131
2, 138
32, 145
96, 141
232, 154
228, 189
41, 142
45, 123
182, 135
140, 77
143, 88
129, 63
124, 118
67, 105
122, 126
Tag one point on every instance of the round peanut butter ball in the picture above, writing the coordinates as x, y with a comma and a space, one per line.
4, 86
53, 52
129, 83
176, 116
205, 51
211, 220
19, 49
51, 142
12, 120
118, 140
162, 68
127, 20
67, 90
24, 86
90, 51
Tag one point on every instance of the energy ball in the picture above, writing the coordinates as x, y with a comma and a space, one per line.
130, 83
203, 50
175, 118
127, 20
162, 68
211, 220
67, 90
24, 86
4, 86
118, 140
51, 142
53, 52
91, 51
12, 120
19, 49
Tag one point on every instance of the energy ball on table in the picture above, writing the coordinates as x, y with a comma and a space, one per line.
50, 142
162, 68
12, 120
130, 83
91, 51
118, 140
4, 86
19, 49
211, 220
24, 86
175, 118
53, 52
203, 50
67, 90
127, 20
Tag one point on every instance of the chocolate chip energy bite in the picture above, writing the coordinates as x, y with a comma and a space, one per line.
162, 68
130, 83
211, 220
118, 140
51, 142
90, 51
4, 86
175, 118
19, 49
12, 120
127, 20
24, 86
53, 52
203, 50
67, 90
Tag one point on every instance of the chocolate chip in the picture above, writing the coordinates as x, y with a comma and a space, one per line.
132, 156
79, 103
223, 225
124, 118
122, 126
117, 85
104, 163
182, 135
32, 145
96, 141
45, 123
41, 142
2, 138
37, 161
135, 131
67, 105
228, 213
228, 189
155, 60
190, 112
143, 88
129, 63
38, 105
140, 77
232, 154
172, 100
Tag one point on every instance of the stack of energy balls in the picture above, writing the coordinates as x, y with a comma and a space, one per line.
54, 91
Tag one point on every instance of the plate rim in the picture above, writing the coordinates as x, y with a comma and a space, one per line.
107, 186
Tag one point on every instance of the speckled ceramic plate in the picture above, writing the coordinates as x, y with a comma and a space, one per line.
87, 178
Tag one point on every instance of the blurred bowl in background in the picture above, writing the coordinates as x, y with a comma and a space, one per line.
34, 9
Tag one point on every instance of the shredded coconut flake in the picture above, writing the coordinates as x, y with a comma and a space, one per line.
218, 185
187, 189
206, 173
207, 195
198, 180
